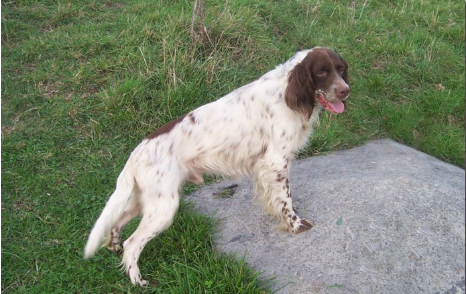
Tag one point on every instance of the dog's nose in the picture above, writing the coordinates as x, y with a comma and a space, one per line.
342, 92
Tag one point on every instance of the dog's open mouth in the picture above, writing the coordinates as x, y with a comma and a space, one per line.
333, 107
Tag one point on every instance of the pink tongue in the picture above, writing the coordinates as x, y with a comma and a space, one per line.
337, 107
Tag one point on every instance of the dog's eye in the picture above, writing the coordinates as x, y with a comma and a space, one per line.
322, 73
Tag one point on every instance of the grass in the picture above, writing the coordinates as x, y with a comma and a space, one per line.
84, 81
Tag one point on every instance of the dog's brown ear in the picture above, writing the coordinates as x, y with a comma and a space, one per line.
345, 76
300, 92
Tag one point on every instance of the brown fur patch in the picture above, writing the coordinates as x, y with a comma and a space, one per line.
305, 225
192, 118
166, 128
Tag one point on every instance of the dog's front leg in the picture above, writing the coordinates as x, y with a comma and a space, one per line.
282, 194
273, 187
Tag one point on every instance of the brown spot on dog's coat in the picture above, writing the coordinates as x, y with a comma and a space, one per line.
192, 118
305, 225
170, 150
166, 128
280, 177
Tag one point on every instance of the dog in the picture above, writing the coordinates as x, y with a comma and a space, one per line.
253, 131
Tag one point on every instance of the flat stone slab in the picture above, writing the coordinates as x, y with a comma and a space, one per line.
387, 219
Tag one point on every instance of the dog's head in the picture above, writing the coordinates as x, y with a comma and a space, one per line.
321, 77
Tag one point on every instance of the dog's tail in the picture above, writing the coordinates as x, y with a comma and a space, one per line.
112, 212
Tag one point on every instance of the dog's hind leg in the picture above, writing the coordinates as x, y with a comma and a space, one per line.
159, 210
132, 210
114, 242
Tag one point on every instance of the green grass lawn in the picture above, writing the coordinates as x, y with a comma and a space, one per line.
83, 82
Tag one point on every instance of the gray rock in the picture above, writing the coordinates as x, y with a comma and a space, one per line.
387, 219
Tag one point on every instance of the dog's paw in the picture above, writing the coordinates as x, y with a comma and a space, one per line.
144, 283
115, 247
114, 243
296, 225
303, 225
135, 276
